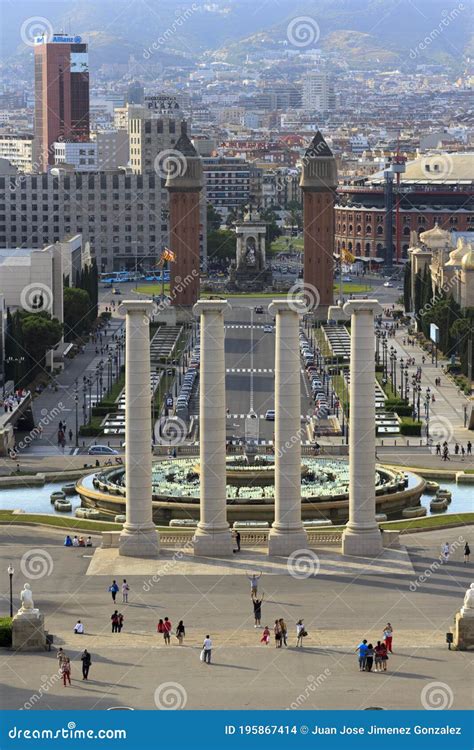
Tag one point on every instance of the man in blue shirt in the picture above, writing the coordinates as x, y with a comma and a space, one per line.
362, 648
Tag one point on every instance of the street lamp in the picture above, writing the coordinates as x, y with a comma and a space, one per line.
427, 408
11, 570
76, 404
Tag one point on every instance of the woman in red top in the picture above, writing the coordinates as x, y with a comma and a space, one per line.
166, 631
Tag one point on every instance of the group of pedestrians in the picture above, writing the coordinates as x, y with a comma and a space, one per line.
459, 449
65, 665
114, 589
165, 627
368, 653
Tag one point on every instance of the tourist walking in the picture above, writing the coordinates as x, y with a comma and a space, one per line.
206, 650
166, 631
115, 621
378, 650
125, 590
277, 634
253, 578
86, 664
284, 631
446, 552
180, 632
66, 670
467, 552
387, 636
61, 655
300, 633
120, 622
362, 649
265, 636
469, 448
369, 659
113, 588
257, 610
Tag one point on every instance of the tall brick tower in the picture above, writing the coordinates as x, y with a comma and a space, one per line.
184, 183
318, 183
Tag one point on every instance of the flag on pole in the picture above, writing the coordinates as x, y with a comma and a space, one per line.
347, 256
168, 255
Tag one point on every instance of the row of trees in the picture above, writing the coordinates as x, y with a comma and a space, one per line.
30, 335
456, 324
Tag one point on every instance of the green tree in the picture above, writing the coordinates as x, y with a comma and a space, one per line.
214, 219
407, 301
273, 230
221, 245
77, 307
39, 334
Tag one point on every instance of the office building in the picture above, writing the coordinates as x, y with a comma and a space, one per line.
61, 94
119, 214
318, 92
18, 150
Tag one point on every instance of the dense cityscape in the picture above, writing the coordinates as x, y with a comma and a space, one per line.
236, 358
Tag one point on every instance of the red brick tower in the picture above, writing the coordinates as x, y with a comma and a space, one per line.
184, 183
318, 183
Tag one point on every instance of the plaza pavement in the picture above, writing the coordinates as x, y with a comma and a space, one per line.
338, 608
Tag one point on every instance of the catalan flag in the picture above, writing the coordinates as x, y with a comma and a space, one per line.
346, 256
168, 255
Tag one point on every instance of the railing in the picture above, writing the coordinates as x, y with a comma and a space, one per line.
248, 538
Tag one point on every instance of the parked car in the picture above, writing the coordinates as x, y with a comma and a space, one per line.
102, 450
270, 415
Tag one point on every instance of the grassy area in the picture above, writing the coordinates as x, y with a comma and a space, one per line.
387, 388
326, 350
153, 289
340, 386
282, 244
431, 522
74, 524
82, 524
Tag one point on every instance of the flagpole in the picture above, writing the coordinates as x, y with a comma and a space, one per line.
163, 281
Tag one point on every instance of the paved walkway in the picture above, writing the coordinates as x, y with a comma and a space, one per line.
52, 406
132, 668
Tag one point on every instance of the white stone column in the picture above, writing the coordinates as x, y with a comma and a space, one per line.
212, 537
287, 533
139, 537
362, 535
